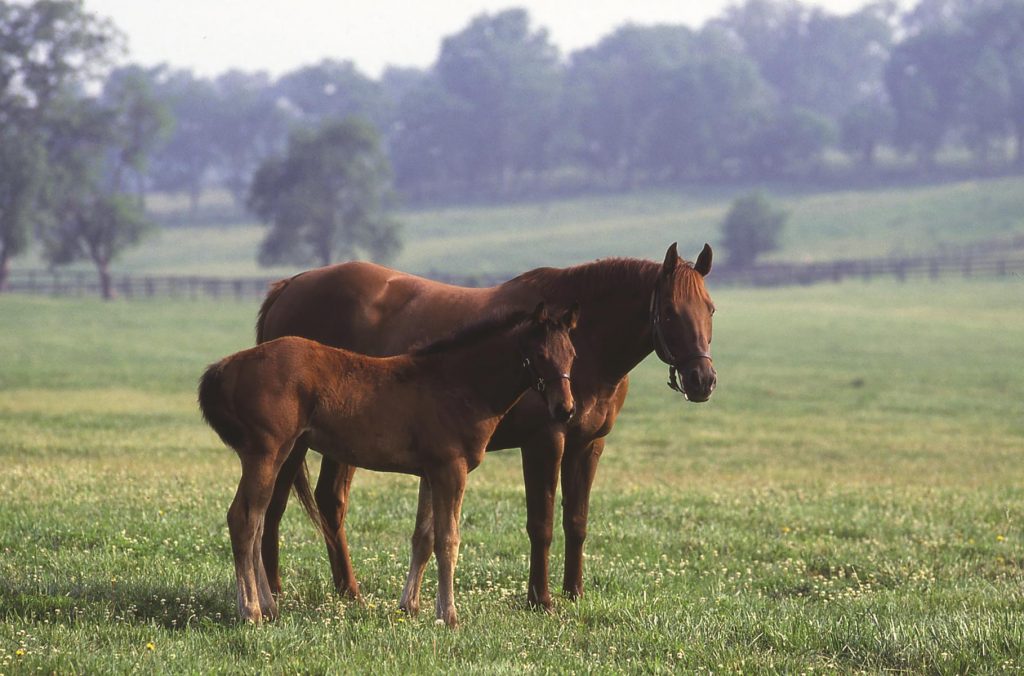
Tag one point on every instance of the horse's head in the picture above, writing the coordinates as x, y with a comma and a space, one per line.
681, 311
548, 355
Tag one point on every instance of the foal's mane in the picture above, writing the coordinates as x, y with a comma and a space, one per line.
472, 333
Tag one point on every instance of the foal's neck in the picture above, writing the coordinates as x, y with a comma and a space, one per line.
490, 369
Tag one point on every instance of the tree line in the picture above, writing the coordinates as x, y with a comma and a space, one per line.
763, 91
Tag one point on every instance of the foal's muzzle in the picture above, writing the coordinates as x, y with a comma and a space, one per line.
564, 412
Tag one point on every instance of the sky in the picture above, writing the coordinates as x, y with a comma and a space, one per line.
213, 36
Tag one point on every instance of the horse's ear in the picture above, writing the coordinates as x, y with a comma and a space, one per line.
703, 264
540, 313
572, 316
671, 260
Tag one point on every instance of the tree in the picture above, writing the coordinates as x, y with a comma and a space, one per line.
97, 226
614, 90
46, 48
333, 89
751, 227
326, 198
790, 141
813, 59
248, 125
184, 162
506, 76
140, 121
22, 175
94, 216
865, 126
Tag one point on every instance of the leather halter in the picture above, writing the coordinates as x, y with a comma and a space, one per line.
661, 347
539, 383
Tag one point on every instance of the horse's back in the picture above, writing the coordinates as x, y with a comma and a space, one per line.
367, 308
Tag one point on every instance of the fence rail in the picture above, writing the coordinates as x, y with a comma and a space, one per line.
982, 265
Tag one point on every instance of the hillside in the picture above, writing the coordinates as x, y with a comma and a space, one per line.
513, 237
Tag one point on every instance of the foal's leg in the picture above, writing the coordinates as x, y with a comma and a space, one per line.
422, 546
541, 458
447, 486
245, 521
331, 493
579, 465
275, 510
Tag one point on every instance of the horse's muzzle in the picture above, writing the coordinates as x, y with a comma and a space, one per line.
699, 382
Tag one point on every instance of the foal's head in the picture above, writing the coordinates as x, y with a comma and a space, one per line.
548, 355
681, 311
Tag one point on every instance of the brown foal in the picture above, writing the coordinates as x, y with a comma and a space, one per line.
429, 413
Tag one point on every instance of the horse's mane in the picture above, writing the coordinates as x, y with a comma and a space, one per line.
472, 333
596, 278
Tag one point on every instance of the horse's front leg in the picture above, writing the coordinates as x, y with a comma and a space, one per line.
332, 488
447, 486
422, 546
579, 464
541, 460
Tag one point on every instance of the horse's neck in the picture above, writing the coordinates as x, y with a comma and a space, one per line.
490, 369
614, 334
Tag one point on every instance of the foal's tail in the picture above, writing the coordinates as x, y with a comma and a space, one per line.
214, 406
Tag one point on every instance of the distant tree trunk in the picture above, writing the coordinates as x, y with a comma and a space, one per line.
1019, 126
194, 193
867, 158
106, 284
5, 269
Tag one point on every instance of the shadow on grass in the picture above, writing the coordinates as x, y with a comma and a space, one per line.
171, 607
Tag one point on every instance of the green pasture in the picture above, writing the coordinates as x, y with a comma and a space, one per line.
823, 225
851, 499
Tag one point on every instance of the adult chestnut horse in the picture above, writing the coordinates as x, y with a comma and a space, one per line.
428, 413
630, 307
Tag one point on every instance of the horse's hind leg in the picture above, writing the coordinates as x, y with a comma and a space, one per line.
422, 546
331, 494
275, 510
245, 522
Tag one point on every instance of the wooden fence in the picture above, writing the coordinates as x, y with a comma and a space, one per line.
981, 265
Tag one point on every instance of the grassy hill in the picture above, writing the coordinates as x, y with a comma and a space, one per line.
514, 237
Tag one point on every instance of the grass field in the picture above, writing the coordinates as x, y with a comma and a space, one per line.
852, 499
511, 238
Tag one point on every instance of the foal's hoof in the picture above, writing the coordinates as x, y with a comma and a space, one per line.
409, 608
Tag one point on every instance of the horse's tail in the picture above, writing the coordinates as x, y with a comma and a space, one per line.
301, 480
213, 404
261, 319
305, 496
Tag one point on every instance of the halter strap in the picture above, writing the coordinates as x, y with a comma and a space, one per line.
662, 349
539, 383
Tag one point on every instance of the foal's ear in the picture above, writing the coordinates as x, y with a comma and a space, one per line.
671, 260
540, 313
572, 316
703, 264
